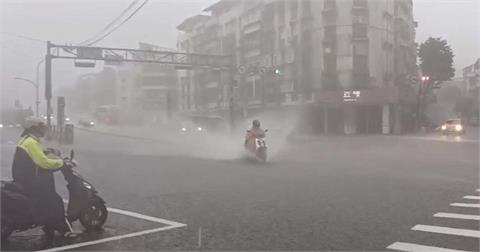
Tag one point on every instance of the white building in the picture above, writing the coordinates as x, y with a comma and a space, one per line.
308, 53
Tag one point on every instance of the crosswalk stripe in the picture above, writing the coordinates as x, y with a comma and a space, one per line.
447, 230
404, 246
472, 197
457, 216
465, 205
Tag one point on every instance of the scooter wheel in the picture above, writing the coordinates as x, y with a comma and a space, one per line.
262, 155
5, 232
93, 217
49, 236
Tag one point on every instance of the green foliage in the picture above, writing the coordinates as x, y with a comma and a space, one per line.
436, 59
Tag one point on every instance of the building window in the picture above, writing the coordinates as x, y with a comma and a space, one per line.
330, 63
330, 81
293, 9
281, 12
330, 33
360, 19
230, 26
360, 63
360, 3
360, 31
360, 48
307, 8
329, 4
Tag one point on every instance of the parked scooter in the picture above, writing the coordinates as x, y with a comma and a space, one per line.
84, 205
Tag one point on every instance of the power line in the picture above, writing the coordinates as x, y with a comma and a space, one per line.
16, 51
108, 26
118, 26
24, 37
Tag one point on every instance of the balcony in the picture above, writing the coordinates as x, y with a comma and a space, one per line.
402, 5
329, 8
388, 46
251, 28
329, 4
360, 6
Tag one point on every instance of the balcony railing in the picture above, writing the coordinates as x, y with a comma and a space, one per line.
329, 4
360, 4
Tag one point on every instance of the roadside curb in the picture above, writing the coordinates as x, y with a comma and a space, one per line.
117, 135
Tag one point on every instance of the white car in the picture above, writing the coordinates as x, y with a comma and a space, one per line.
454, 127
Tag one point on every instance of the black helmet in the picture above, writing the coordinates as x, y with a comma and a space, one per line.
256, 123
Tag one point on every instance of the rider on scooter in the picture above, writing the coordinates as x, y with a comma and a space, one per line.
253, 133
34, 171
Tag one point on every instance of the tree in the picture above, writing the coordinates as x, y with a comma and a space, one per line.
436, 60
465, 107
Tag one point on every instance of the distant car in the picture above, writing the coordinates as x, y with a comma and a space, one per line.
203, 124
86, 123
190, 127
51, 117
454, 127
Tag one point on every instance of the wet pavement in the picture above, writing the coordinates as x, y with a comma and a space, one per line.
333, 193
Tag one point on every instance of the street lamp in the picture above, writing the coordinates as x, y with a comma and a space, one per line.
37, 100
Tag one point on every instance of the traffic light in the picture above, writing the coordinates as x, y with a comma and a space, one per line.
277, 71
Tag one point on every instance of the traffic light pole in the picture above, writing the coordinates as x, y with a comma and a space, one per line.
38, 87
179, 60
421, 99
48, 84
231, 101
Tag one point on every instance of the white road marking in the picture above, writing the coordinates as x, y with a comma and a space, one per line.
472, 197
447, 230
142, 216
465, 205
457, 216
109, 239
146, 217
170, 225
403, 246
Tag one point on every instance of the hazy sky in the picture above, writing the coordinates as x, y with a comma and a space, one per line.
72, 21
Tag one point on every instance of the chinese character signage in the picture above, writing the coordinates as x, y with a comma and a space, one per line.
351, 96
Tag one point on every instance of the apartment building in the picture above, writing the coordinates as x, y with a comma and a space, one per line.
347, 62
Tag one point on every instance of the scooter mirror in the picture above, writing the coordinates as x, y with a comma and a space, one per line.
72, 155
